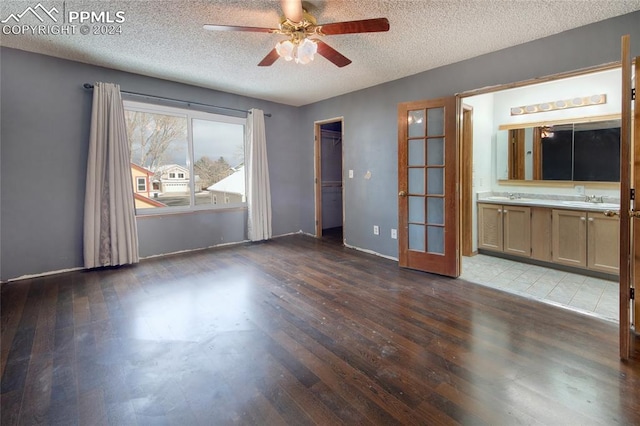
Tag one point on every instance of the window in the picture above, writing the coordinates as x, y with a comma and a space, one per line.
191, 156
142, 184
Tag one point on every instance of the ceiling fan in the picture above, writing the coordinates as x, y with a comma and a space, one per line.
303, 31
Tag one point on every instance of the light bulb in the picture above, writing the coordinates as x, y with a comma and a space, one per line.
305, 51
286, 50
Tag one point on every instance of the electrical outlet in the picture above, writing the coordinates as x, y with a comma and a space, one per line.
579, 189
376, 230
350, 174
394, 234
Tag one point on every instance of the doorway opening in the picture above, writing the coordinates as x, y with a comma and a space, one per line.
329, 193
487, 172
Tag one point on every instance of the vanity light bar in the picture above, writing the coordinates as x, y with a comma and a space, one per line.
564, 104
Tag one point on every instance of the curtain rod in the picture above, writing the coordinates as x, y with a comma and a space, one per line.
89, 86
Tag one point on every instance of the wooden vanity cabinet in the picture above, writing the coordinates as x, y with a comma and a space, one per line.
516, 232
490, 227
581, 239
541, 233
505, 229
586, 240
569, 236
603, 243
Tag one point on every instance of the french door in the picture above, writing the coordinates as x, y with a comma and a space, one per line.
629, 204
427, 186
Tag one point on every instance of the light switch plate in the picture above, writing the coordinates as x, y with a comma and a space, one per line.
350, 174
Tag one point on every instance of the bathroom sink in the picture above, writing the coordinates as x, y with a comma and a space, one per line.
502, 198
592, 205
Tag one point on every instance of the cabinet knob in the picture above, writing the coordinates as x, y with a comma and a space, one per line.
590, 219
402, 193
583, 218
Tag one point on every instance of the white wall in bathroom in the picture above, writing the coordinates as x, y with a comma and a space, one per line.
605, 82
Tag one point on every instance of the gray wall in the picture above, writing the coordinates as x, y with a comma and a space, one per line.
370, 118
43, 149
45, 128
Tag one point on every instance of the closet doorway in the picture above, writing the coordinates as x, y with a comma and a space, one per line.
329, 193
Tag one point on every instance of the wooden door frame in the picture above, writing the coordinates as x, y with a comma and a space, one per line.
317, 171
466, 180
626, 146
515, 166
635, 134
537, 153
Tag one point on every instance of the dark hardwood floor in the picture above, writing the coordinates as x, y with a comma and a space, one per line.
300, 331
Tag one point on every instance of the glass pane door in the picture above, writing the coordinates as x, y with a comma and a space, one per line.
427, 170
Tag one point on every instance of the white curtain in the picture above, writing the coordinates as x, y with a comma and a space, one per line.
110, 234
258, 189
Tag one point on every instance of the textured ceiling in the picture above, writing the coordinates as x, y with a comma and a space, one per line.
165, 39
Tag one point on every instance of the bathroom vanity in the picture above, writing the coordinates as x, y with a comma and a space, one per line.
565, 232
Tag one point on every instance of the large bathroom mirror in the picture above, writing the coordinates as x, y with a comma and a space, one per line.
577, 151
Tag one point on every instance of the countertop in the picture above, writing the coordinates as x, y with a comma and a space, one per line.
556, 204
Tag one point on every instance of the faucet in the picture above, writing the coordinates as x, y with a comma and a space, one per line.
514, 196
593, 199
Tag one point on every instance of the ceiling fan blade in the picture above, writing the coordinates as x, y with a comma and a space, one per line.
332, 54
269, 59
352, 27
292, 10
237, 28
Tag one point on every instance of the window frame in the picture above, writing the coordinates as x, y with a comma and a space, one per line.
140, 179
189, 115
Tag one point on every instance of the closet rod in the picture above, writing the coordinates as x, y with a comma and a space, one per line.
89, 86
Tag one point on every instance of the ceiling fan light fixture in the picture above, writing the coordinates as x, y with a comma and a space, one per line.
286, 50
300, 51
305, 51
298, 25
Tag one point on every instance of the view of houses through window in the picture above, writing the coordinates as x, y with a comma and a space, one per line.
182, 159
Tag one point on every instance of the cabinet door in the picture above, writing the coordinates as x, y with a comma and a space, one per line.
541, 233
569, 237
517, 230
490, 232
603, 245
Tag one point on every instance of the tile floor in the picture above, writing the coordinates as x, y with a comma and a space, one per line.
588, 295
